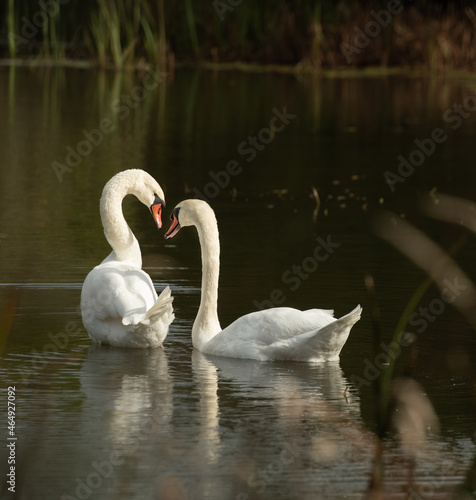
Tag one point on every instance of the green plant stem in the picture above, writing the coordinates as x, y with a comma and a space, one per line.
162, 52
11, 28
387, 374
191, 27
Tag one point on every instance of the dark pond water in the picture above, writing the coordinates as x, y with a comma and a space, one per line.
103, 423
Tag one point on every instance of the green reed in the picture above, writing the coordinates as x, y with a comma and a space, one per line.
192, 27
310, 33
11, 27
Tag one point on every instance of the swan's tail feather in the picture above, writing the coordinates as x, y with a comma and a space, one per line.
162, 305
330, 340
154, 327
323, 344
352, 317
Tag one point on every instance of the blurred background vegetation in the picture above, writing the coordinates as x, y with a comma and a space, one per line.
437, 35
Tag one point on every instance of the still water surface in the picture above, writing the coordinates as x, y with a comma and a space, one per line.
102, 423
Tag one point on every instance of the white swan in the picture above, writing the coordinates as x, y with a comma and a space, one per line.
119, 304
281, 333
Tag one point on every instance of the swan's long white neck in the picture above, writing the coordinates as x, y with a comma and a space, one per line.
206, 324
125, 246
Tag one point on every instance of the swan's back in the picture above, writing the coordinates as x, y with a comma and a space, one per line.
285, 333
118, 289
115, 297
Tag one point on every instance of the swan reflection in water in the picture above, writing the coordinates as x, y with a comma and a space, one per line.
212, 427
216, 427
265, 427
127, 412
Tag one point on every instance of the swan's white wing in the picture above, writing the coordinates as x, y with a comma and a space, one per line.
280, 323
163, 304
284, 333
250, 335
118, 290
321, 344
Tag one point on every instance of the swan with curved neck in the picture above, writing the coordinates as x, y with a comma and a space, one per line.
119, 304
281, 333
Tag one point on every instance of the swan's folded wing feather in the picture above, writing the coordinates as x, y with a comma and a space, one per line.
319, 344
284, 333
163, 305
121, 292
280, 323
250, 335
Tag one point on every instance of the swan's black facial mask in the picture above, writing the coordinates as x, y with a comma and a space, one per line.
156, 210
175, 226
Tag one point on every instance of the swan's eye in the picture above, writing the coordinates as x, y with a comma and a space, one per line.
175, 226
175, 213
158, 200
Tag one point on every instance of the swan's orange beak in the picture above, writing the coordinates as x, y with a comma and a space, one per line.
156, 210
174, 227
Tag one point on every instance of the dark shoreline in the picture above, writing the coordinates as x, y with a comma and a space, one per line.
284, 37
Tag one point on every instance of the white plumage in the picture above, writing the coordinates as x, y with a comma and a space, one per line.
281, 333
119, 304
